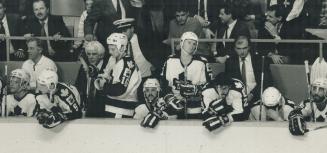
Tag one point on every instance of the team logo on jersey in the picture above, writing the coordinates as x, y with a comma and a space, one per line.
64, 92
130, 64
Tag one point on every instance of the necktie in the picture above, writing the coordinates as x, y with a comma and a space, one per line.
244, 73
118, 9
43, 34
2, 29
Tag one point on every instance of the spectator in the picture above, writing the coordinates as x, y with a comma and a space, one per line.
44, 24
126, 26
184, 23
233, 28
246, 66
104, 13
36, 62
92, 65
88, 5
10, 25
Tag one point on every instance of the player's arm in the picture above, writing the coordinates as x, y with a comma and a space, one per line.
32, 106
235, 99
117, 86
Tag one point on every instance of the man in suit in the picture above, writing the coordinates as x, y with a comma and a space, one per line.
103, 13
232, 28
46, 25
10, 26
246, 66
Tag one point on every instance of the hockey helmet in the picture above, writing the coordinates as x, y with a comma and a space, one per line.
189, 36
118, 39
271, 97
49, 79
21, 74
320, 83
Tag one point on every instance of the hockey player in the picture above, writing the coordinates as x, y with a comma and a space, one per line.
312, 109
275, 106
225, 101
58, 101
156, 108
19, 101
184, 76
120, 81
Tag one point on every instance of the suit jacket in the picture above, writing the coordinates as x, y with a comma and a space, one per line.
55, 25
232, 68
14, 26
240, 28
104, 14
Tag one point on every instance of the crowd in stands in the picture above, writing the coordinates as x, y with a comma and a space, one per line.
126, 42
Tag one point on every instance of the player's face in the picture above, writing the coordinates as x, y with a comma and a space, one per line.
113, 50
42, 88
181, 17
222, 90
92, 56
242, 48
88, 5
33, 50
189, 46
15, 84
151, 93
318, 93
40, 10
225, 18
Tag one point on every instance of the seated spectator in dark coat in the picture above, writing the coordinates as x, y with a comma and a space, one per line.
232, 28
44, 24
10, 26
92, 65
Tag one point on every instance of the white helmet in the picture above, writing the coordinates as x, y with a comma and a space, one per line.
189, 36
118, 39
21, 74
271, 96
151, 83
320, 82
48, 78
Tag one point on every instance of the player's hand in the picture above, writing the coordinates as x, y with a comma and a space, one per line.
274, 115
51, 52
53, 120
297, 124
42, 116
219, 107
174, 102
28, 35
221, 59
150, 121
215, 122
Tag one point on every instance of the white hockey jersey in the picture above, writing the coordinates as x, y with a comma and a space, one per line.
320, 113
25, 106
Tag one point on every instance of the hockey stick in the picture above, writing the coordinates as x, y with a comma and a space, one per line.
309, 92
5, 90
261, 85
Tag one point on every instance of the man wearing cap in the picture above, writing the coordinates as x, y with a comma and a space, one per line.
104, 12
126, 26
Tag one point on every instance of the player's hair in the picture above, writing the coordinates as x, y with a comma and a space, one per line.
37, 40
46, 2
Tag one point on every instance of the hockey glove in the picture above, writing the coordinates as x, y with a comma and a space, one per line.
175, 103
215, 122
42, 116
297, 124
219, 107
188, 90
53, 120
150, 121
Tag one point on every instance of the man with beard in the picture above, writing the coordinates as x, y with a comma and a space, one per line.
313, 108
46, 25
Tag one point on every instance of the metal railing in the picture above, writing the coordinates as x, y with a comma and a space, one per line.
302, 41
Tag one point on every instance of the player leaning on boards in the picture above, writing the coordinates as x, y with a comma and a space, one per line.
316, 103
184, 75
20, 101
58, 101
